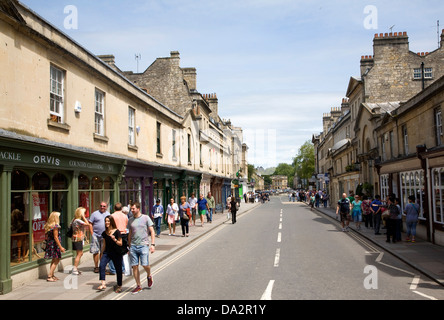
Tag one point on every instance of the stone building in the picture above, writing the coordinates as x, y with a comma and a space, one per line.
74, 131
279, 182
412, 163
354, 147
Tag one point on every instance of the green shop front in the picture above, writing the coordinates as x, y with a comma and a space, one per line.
35, 180
175, 183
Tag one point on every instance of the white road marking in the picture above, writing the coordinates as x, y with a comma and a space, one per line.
276, 257
425, 296
414, 283
267, 293
279, 237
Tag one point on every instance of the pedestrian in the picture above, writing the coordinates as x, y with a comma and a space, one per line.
97, 220
157, 215
228, 206
357, 211
376, 209
325, 198
343, 210
412, 214
111, 251
140, 228
211, 207
173, 213
391, 221
54, 247
367, 215
185, 215
312, 201
192, 201
317, 198
233, 209
78, 236
202, 207
121, 221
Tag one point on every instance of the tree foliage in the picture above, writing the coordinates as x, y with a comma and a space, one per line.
304, 162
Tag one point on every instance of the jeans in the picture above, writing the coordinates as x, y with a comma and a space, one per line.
157, 222
411, 228
117, 260
210, 214
377, 218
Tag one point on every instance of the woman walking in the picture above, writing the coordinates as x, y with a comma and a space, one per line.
78, 225
184, 214
172, 211
112, 251
233, 209
357, 212
412, 213
54, 247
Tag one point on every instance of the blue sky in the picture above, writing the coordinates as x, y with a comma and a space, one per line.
275, 65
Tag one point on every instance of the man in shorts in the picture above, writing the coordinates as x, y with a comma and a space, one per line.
343, 209
140, 228
97, 219
202, 207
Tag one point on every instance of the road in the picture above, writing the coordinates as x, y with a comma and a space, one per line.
284, 251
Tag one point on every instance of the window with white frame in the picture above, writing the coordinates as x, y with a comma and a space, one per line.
383, 147
417, 73
57, 78
131, 126
174, 143
99, 116
438, 195
438, 126
405, 138
384, 186
412, 184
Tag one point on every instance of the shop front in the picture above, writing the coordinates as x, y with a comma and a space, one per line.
35, 180
174, 184
137, 186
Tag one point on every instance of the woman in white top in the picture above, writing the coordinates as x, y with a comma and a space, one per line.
172, 211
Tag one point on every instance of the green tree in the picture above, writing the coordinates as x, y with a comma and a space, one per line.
304, 162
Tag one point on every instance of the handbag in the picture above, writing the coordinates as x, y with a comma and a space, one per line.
186, 214
70, 231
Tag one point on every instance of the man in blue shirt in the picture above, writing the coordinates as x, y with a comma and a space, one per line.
202, 207
156, 216
376, 207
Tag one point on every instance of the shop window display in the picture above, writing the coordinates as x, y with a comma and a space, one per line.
33, 197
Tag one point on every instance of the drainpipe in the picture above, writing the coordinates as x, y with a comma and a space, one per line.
422, 75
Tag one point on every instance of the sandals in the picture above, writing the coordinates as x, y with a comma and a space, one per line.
51, 279
117, 289
101, 287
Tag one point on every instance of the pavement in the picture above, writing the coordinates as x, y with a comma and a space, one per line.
426, 257
84, 286
422, 255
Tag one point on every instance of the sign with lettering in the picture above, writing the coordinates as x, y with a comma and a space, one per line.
46, 160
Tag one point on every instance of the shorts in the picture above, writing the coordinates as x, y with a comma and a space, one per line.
78, 245
139, 253
203, 212
96, 244
345, 216
357, 216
